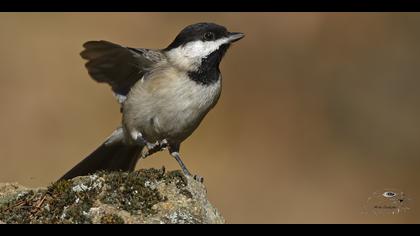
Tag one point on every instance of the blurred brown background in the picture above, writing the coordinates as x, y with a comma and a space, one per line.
318, 111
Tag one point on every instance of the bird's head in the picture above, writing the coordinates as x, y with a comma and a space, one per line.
198, 43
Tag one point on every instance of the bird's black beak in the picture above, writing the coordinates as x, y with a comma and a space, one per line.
235, 36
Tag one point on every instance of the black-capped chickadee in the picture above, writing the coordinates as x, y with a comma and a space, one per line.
164, 94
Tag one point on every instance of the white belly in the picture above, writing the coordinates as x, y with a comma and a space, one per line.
168, 106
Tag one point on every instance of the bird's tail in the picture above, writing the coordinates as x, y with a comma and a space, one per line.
110, 156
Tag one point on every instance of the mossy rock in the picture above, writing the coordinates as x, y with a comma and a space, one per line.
144, 196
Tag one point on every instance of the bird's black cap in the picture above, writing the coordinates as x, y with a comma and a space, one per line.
199, 31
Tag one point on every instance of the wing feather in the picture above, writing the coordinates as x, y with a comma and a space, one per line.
120, 67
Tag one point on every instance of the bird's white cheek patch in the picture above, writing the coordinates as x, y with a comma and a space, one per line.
190, 55
202, 49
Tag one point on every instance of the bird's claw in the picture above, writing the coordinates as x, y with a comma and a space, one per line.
198, 178
155, 147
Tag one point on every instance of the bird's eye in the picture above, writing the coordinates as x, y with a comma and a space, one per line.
208, 36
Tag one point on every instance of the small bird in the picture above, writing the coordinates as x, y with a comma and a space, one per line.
164, 94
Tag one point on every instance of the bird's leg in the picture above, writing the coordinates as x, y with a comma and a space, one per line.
181, 164
154, 147
174, 151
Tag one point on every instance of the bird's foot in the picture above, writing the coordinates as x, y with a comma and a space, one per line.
198, 178
154, 147
175, 154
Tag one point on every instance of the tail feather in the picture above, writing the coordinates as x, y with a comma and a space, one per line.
109, 157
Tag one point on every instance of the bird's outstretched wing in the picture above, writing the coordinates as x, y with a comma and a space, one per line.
121, 67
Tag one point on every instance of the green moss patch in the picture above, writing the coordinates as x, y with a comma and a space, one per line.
133, 191
58, 204
111, 219
180, 181
69, 201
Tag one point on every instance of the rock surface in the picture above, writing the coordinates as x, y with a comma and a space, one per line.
147, 196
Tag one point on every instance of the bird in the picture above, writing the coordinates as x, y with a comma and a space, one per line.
164, 94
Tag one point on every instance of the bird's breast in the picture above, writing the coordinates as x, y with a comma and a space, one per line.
168, 104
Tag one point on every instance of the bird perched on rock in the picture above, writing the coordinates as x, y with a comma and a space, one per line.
164, 94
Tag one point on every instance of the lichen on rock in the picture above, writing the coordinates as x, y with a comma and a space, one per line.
144, 196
